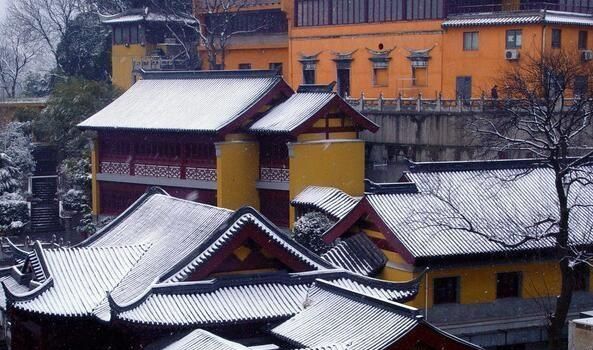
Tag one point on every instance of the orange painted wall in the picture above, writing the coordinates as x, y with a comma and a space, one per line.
401, 35
487, 63
259, 58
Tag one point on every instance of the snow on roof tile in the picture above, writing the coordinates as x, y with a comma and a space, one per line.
363, 323
202, 340
173, 227
511, 18
79, 279
300, 108
499, 198
242, 217
357, 254
254, 298
186, 101
329, 200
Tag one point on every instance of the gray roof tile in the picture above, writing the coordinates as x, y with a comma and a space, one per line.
357, 254
200, 339
329, 200
192, 101
518, 18
431, 222
254, 298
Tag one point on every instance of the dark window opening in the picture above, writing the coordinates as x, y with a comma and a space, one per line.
581, 278
446, 290
581, 84
464, 87
277, 67
514, 39
344, 82
508, 285
244, 66
308, 76
583, 37
556, 38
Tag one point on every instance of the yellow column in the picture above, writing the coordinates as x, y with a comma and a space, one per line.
237, 171
332, 163
96, 203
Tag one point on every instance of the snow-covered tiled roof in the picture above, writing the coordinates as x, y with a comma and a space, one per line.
329, 200
241, 218
300, 109
200, 339
357, 254
173, 227
363, 323
499, 198
144, 15
78, 279
518, 18
254, 298
337, 315
205, 101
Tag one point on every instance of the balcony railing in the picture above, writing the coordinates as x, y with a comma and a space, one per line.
274, 175
420, 104
160, 63
158, 170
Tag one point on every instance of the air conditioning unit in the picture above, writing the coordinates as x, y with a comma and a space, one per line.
587, 55
511, 55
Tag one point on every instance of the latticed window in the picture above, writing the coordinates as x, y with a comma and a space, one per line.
508, 285
470, 41
446, 290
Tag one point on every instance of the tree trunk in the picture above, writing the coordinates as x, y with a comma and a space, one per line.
558, 319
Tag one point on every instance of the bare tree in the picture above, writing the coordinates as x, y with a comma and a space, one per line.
214, 23
16, 55
44, 20
545, 114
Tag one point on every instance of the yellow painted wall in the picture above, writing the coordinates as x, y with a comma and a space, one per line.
122, 58
96, 209
335, 163
237, 170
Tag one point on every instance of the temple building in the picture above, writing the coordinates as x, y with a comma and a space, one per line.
169, 272
390, 47
449, 217
226, 138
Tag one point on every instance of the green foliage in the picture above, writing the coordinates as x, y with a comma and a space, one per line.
85, 49
9, 175
37, 84
71, 102
14, 213
15, 143
308, 230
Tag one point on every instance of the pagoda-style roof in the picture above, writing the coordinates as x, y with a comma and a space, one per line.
158, 239
255, 298
339, 315
215, 102
303, 109
75, 281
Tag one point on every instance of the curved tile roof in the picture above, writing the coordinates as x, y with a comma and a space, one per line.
519, 17
200, 339
299, 110
363, 324
190, 101
254, 298
357, 254
78, 279
329, 200
503, 201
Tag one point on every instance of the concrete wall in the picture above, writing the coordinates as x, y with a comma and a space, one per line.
580, 334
